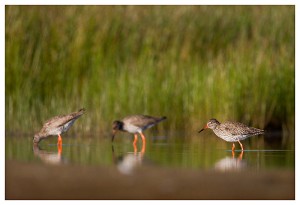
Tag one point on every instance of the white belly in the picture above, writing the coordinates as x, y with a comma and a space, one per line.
132, 128
61, 129
55, 131
229, 137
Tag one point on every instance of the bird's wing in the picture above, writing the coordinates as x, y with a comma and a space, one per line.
141, 120
61, 119
236, 128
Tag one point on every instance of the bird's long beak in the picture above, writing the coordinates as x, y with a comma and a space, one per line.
113, 135
205, 127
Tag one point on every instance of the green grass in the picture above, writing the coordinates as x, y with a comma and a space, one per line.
189, 63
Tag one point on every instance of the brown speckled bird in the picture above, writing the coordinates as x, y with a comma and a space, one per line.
56, 126
232, 131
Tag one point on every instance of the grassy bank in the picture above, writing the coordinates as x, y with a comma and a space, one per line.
190, 63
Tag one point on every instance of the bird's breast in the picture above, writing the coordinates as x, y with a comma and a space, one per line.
131, 128
55, 130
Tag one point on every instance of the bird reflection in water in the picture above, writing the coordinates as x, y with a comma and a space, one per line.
130, 161
231, 163
47, 157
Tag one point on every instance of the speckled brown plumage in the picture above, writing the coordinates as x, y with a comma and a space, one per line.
232, 131
57, 125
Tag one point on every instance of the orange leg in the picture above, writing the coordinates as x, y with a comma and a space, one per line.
241, 155
134, 148
232, 152
233, 147
144, 143
59, 149
143, 137
59, 140
143, 148
135, 139
241, 145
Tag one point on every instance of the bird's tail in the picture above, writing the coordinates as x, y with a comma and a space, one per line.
258, 131
162, 118
81, 111
78, 113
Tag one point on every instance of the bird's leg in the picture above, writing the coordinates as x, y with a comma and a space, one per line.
135, 139
143, 148
233, 147
143, 137
232, 152
59, 140
134, 148
59, 149
241, 145
241, 155
144, 143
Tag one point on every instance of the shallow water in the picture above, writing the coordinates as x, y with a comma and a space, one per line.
206, 152
92, 167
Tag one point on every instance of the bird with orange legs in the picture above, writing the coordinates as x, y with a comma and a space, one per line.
232, 131
56, 126
135, 124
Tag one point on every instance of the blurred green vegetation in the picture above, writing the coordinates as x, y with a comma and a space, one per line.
189, 63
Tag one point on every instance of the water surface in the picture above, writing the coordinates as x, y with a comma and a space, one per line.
201, 152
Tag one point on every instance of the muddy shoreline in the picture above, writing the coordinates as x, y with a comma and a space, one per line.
40, 181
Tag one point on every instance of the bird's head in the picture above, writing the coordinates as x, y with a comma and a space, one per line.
36, 139
117, 125
212, 124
